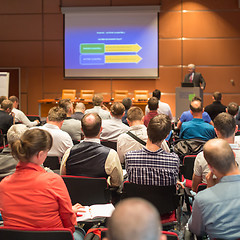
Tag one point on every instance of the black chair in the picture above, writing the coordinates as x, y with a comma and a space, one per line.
87, 190
109, 144
52, 162
164, 198
35, 233
201, 187
187, 169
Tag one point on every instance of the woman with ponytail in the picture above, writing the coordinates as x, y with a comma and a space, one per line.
32, 197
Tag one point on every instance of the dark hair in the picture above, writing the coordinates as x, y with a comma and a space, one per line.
57, 114
13, 99
127, 103
30, 143
217, 96
233, 108
65, 104
198, 108
156, 93
2, 98
135, 114
158, 128
196, 98
153, 103
6, 104
97, 100
225, 124
117, 109
219, 155
91, 128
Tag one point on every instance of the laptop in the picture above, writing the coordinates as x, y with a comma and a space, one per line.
187, 84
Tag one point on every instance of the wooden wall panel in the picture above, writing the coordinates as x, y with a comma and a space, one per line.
211, 51
169, 52
20, 54
20, 27
227, 24
52, 6
170, 25
85, 3
172, 5
170, 99
53, 21
209, 4
23, 6
170, 78
53, 53
135, 2
24, 102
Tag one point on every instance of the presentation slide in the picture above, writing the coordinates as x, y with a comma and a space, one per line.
111, 44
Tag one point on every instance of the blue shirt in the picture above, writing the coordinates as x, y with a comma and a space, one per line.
187, 116
216, 210
197, 128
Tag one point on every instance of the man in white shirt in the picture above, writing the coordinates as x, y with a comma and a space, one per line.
126, 143
61, 140
19, 115
113, 127
98, 107
225, 128
163, 108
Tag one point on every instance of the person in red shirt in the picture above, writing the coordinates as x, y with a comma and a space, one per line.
32, 197
153, 106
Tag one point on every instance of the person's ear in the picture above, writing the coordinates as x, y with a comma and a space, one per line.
236, 129
163, 237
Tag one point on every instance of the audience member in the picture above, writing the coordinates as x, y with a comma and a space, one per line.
98, 107
197, 128
90, 158
163, 108
187, 115
135, 219
152, 106
127, 103
6, 120
61, 140
31, 197
70, 125
7, 162
126, 142
216, 107
225, 128
233, 109
113, 127
2, 98
79, 111
194, 77
152, 165
216, 209
20, 117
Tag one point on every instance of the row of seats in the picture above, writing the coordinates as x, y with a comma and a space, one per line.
119, 95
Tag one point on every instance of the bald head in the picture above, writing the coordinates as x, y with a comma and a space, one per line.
219, 155
134, 219
91, 125
196, 106
80, 107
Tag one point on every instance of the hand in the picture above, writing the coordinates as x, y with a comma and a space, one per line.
210, 180
78, 208
36, 121
180, 185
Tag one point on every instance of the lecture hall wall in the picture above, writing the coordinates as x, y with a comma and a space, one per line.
204, 32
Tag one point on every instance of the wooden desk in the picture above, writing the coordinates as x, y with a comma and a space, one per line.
44, 105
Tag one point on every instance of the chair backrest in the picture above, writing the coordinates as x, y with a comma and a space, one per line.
188, 165
201, 187
69, 93
109, 144
86, 95
86, 190
35, 233
52, 162
170, 235
119, 95
140, 95
164, 198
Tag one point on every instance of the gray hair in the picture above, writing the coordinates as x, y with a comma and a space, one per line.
15, 132
191, 66
80, 107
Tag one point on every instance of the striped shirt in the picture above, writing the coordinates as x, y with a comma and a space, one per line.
152, 168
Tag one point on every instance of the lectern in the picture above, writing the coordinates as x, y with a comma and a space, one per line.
184, 96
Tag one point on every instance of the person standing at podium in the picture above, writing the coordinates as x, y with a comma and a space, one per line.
195, 77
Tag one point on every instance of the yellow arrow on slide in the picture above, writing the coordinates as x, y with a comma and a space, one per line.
122, 48
122, 59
